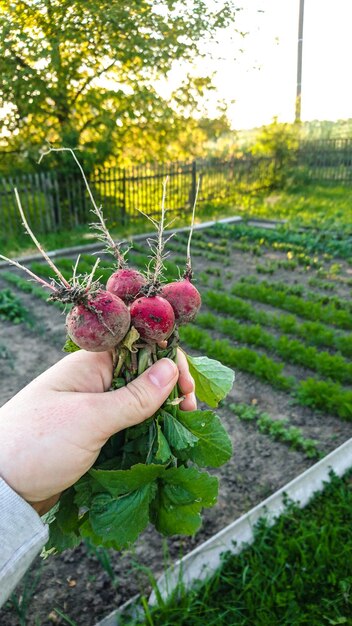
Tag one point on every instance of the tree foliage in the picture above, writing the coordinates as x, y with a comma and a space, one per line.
83, 73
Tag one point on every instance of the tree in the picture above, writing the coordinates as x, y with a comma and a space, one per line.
82, 73
280, 141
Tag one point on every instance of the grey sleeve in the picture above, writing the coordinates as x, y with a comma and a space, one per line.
22, 536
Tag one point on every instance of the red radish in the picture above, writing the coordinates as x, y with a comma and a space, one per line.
99, 324
126, 284
153, 317
184, 298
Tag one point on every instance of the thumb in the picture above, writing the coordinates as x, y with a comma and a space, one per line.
140, 399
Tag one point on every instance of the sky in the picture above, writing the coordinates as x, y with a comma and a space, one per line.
262, 79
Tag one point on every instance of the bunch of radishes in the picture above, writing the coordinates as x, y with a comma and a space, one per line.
136, 317
101, 318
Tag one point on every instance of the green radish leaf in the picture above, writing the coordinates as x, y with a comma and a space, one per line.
84, 491
120, 520
87, 532
214, 446
163, 452
59, 541
213, 380
182, 494
67, 516
70, 346
64, 523
119, 482
176, 434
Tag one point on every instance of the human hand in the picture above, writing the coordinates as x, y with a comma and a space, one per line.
52, 431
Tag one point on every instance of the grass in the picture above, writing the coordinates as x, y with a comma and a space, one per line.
298, 572
318, 205
321, 206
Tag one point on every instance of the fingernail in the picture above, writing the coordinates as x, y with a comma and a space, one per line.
162, 372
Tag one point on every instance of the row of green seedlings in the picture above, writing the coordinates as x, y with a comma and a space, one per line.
274, 266
332, 366
313, 333
24, 285
296, 256
323, 285
12, 309
224, 247
204, 241
301, 290
332, 273
299, 241
278, 429
326, 396
307, 309
211, 252
295, 253
294, 572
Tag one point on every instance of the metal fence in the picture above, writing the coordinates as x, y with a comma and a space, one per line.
327, 160
55, 201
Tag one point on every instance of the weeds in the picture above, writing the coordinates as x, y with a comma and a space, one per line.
21, 598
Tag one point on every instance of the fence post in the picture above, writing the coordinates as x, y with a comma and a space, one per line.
192, 195
123, 206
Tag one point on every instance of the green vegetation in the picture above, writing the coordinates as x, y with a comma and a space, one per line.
244, 359
12, 309
296, 572
28, 287
323, 206
324, 240
291, 350
99, 92
307, 309
301, 290
278, 429
313, 333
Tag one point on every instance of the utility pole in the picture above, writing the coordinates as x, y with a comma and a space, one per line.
299, 62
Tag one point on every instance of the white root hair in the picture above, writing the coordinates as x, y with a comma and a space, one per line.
105, 236
61, 278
